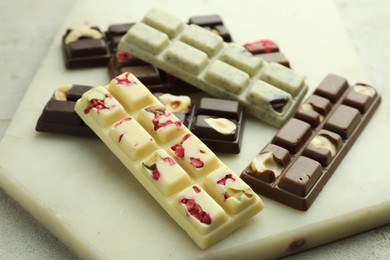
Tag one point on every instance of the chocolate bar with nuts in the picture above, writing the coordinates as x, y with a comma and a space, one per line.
217, 122
269, 91
184, 176
58, 115
85, 47
302, 156
155, 79
267, 50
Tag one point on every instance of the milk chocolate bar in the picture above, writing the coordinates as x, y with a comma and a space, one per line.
85, 47
303, 155
182, 174
269, 91
217, 122
267, 50
154, 79
213, 23
58, 115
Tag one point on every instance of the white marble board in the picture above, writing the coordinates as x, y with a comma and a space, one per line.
83, 194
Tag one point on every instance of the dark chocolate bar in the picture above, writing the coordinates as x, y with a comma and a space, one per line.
302, 156
58, 115
213, 23
267, 50
85, 47
115, 32
217, 122
154, 79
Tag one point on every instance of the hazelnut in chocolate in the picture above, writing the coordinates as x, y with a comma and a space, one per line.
305, 152
85, 47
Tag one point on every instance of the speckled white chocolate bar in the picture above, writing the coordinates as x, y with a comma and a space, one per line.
269, 91
197, 190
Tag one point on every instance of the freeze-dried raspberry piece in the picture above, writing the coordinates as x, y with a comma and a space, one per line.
224, 179
196, 211
196, 162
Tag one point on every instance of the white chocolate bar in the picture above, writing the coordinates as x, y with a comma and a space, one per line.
196, 189
269, 91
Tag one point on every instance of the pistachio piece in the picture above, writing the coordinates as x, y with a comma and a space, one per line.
62, 93
231, 192
323, 142
151, 162
265, 162
77, 33
221, 125
174, 103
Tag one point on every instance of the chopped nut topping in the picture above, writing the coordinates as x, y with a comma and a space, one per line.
365, 90
62, 93
222, 125
309, 107
174, 103
157, 110
238, 194
77, 33
266, 162
323, 142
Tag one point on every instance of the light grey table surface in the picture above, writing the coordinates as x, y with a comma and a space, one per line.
27, 29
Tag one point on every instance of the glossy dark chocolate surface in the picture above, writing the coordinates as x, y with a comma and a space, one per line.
85, 52
206, 108
115, 32
305, 152
58, 116
267, 50
213, 23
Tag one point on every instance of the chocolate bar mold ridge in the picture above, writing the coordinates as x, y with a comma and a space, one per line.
303, 155
195, 188
269, 91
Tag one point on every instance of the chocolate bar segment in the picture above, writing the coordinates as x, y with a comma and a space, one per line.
332, 87
85, 47
305, 152
217, 122
183, 175
292, 135
114, 34
269, 91
58, 115
213, 23
267, 50
155, 80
